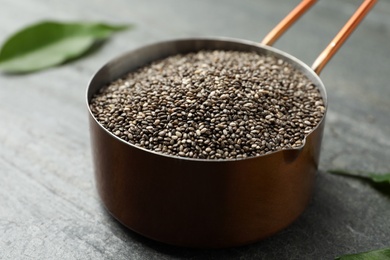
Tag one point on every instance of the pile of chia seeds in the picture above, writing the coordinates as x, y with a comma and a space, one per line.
212, 105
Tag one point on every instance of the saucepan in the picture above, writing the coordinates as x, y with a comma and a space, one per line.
208, 203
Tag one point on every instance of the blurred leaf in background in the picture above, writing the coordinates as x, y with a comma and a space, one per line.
50, 43
381, 254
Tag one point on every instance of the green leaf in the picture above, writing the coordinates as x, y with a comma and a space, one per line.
50, 43
381, 254
380, 178
375, 177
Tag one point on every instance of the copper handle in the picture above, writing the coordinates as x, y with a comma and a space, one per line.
342, 36
335, 44
279, 29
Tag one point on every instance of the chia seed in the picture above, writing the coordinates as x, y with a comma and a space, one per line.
212, 105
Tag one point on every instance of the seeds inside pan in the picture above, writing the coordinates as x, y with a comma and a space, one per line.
212, 105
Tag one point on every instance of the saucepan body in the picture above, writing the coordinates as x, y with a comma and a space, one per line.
197, 202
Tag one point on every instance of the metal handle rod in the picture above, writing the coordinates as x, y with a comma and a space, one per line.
342, 36
283, 25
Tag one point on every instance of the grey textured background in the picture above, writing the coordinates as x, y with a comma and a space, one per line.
49, 208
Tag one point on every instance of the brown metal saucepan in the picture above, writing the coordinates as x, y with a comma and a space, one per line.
208, 203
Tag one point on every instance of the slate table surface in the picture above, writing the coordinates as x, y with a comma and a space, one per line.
49, 207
